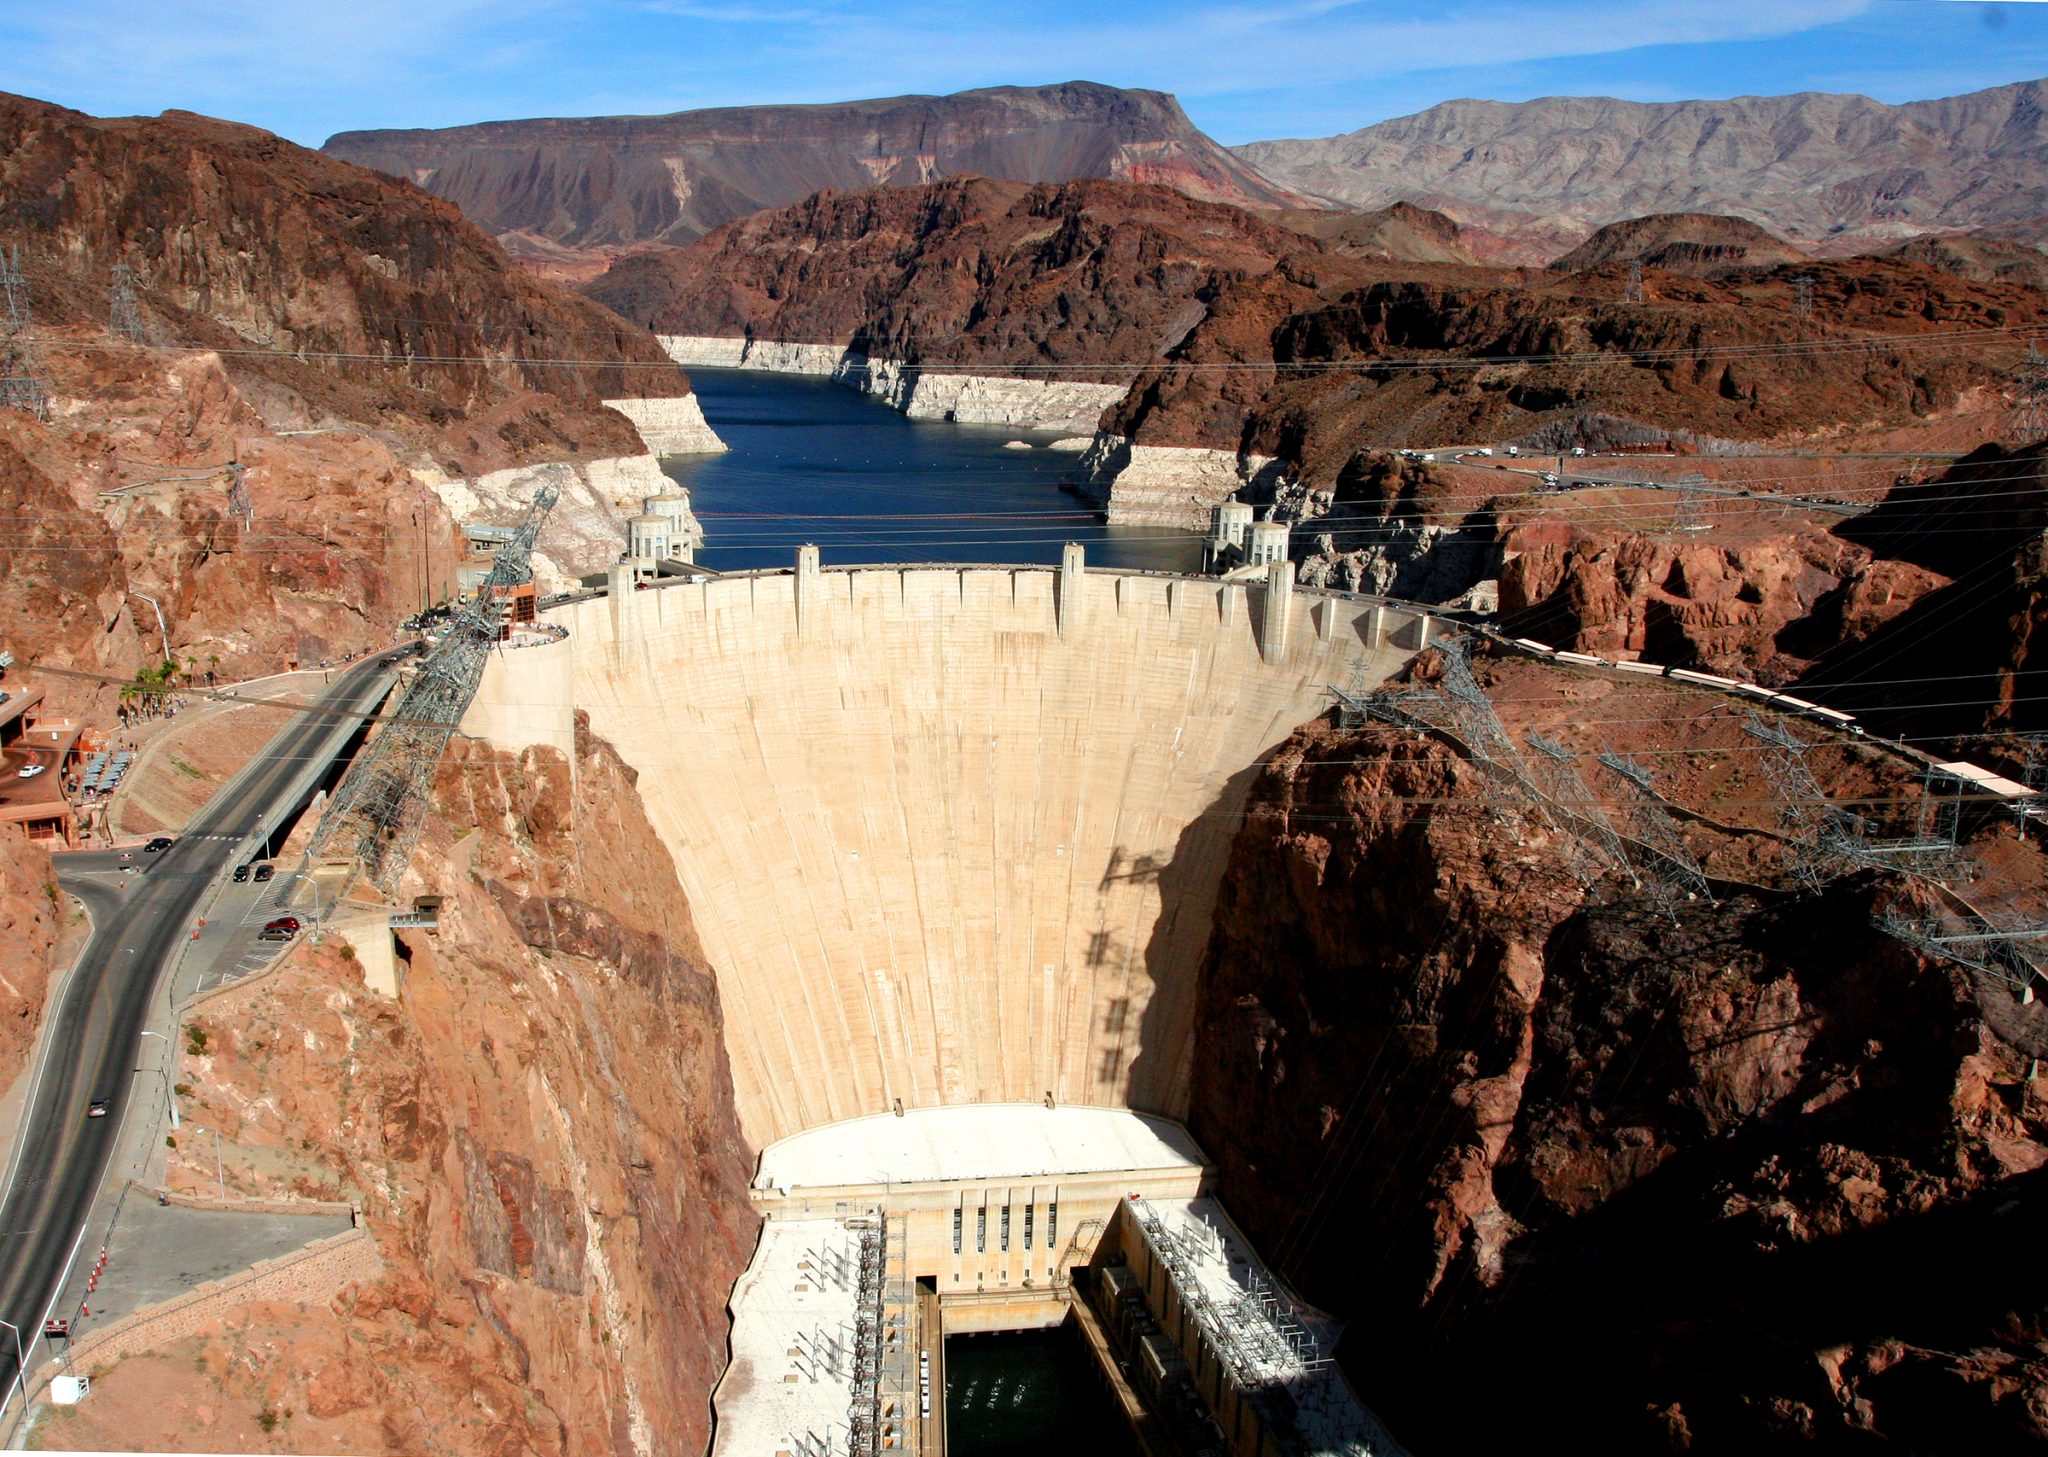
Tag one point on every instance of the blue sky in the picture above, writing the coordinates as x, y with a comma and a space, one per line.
1244, 69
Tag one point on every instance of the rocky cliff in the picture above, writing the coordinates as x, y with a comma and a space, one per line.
352, 342
1747, 1177
1844, 173
539, 1133
31, 918
594, 186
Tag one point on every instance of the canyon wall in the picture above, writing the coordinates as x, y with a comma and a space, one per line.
1637, 1176
968, 399
539, 1133
951, 835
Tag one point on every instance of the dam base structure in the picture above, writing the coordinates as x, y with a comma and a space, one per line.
951, 838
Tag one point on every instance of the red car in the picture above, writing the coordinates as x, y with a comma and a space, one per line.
282, 923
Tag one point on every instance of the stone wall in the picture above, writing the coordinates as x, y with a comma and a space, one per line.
587, 529
309, 1276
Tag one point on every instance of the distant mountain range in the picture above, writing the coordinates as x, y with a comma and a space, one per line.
569, 190
1526, 182
1833, 174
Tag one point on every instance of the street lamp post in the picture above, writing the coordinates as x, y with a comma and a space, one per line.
164, 1073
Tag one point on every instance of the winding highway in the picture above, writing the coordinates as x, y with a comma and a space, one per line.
89, 1047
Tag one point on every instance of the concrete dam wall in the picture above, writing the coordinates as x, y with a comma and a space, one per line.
949, 835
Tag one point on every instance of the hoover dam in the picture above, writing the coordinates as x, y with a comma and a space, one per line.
952, 838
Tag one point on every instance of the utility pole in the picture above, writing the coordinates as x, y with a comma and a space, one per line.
23, 385
1802, 302
124, 316
1633, 294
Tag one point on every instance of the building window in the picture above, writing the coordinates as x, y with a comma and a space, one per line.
1052, 1225
1006, 1226
981, 1229
1028, 1211
956, 1231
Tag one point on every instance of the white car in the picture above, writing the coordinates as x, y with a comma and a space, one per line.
30, 771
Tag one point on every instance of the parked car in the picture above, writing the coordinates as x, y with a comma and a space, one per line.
97, 1108
275, 933
241, 873
282, 923
264, 872
29, 771
160, 843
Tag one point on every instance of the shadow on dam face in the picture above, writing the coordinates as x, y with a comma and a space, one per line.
949, 835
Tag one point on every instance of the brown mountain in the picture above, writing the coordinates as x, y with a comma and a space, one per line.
967, 271
302, 265
1400, 233
1701, 244
1844, 173
613, 183
346, 338
1979, 258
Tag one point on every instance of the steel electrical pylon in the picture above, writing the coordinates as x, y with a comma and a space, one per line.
1674, 871
2029, 419
380, 807
124, 315
23, 384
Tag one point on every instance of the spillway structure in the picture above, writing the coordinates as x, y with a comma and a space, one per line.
952, 838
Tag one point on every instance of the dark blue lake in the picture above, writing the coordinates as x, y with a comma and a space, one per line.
815, 462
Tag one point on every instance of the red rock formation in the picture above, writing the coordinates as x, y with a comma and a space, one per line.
540, 1134
277, 286
969, 271
1729, 1183
31, 912
245, 242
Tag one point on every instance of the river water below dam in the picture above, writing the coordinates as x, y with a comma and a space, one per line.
815, 462
1029, 1393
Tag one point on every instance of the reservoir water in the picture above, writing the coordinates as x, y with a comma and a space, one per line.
815, 462
1029, 1393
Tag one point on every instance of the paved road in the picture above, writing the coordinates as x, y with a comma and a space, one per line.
92, 1041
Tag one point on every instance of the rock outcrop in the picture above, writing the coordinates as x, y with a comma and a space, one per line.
1701, 244
597, 186
346, 339
1839, 173
539, 1133
1722, 1182
31, 918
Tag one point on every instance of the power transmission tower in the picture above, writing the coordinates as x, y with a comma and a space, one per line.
124, 315
1633, 294
1675, 871
2029, 419
238, 495
23, 384
380, 807
1802, 302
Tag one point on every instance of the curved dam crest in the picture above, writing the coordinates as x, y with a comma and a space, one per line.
949, 834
